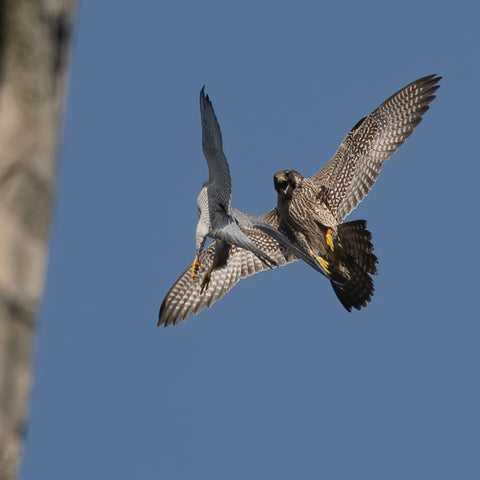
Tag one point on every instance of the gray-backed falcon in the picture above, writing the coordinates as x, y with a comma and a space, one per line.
310, 213
231, 228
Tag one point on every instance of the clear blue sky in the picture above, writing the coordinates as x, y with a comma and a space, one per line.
276, 380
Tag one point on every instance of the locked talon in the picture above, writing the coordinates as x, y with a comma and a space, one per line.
324, 264
194, 269
195, 266
329, 238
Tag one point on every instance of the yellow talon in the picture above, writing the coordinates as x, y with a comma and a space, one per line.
324, 264
329, 240
195, 266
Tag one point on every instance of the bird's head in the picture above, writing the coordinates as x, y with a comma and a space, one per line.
286, 181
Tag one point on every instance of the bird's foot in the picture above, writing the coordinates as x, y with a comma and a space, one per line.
324, 264
329, 238
196, 265
205, 282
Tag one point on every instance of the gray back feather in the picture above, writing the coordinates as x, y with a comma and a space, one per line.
219, 181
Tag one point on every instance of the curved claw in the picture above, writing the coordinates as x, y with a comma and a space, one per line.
196, 265
329, 238
324, 264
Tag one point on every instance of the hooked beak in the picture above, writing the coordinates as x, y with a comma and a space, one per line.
281, 184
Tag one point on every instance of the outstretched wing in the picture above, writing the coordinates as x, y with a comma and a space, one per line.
219, 172
185, 299
246, 219
350, 174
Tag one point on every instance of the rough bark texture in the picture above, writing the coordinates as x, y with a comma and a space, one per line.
34, 49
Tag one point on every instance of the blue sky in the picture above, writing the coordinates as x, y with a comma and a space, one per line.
276, 380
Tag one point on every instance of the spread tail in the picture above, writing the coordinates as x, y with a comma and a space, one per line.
353, 264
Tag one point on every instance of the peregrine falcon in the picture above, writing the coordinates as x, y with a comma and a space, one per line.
310, 212
214, 208
218, 219
229, 226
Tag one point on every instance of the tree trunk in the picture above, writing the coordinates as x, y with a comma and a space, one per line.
34, 61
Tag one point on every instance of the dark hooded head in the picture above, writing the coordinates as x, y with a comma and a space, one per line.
286, 181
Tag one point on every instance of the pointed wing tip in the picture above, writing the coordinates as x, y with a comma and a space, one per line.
161, 321
163, 317
204, 99
166, 322
431, 80
203, 95
429, 85
433, 76
206, 104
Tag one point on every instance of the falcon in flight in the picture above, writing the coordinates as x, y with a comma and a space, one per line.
312, 210
219, 220
310, 213
214, 208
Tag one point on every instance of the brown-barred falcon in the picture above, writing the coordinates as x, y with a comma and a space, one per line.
310, 212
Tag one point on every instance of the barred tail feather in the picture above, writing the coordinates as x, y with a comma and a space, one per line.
356, 265
356, 240
357, 291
